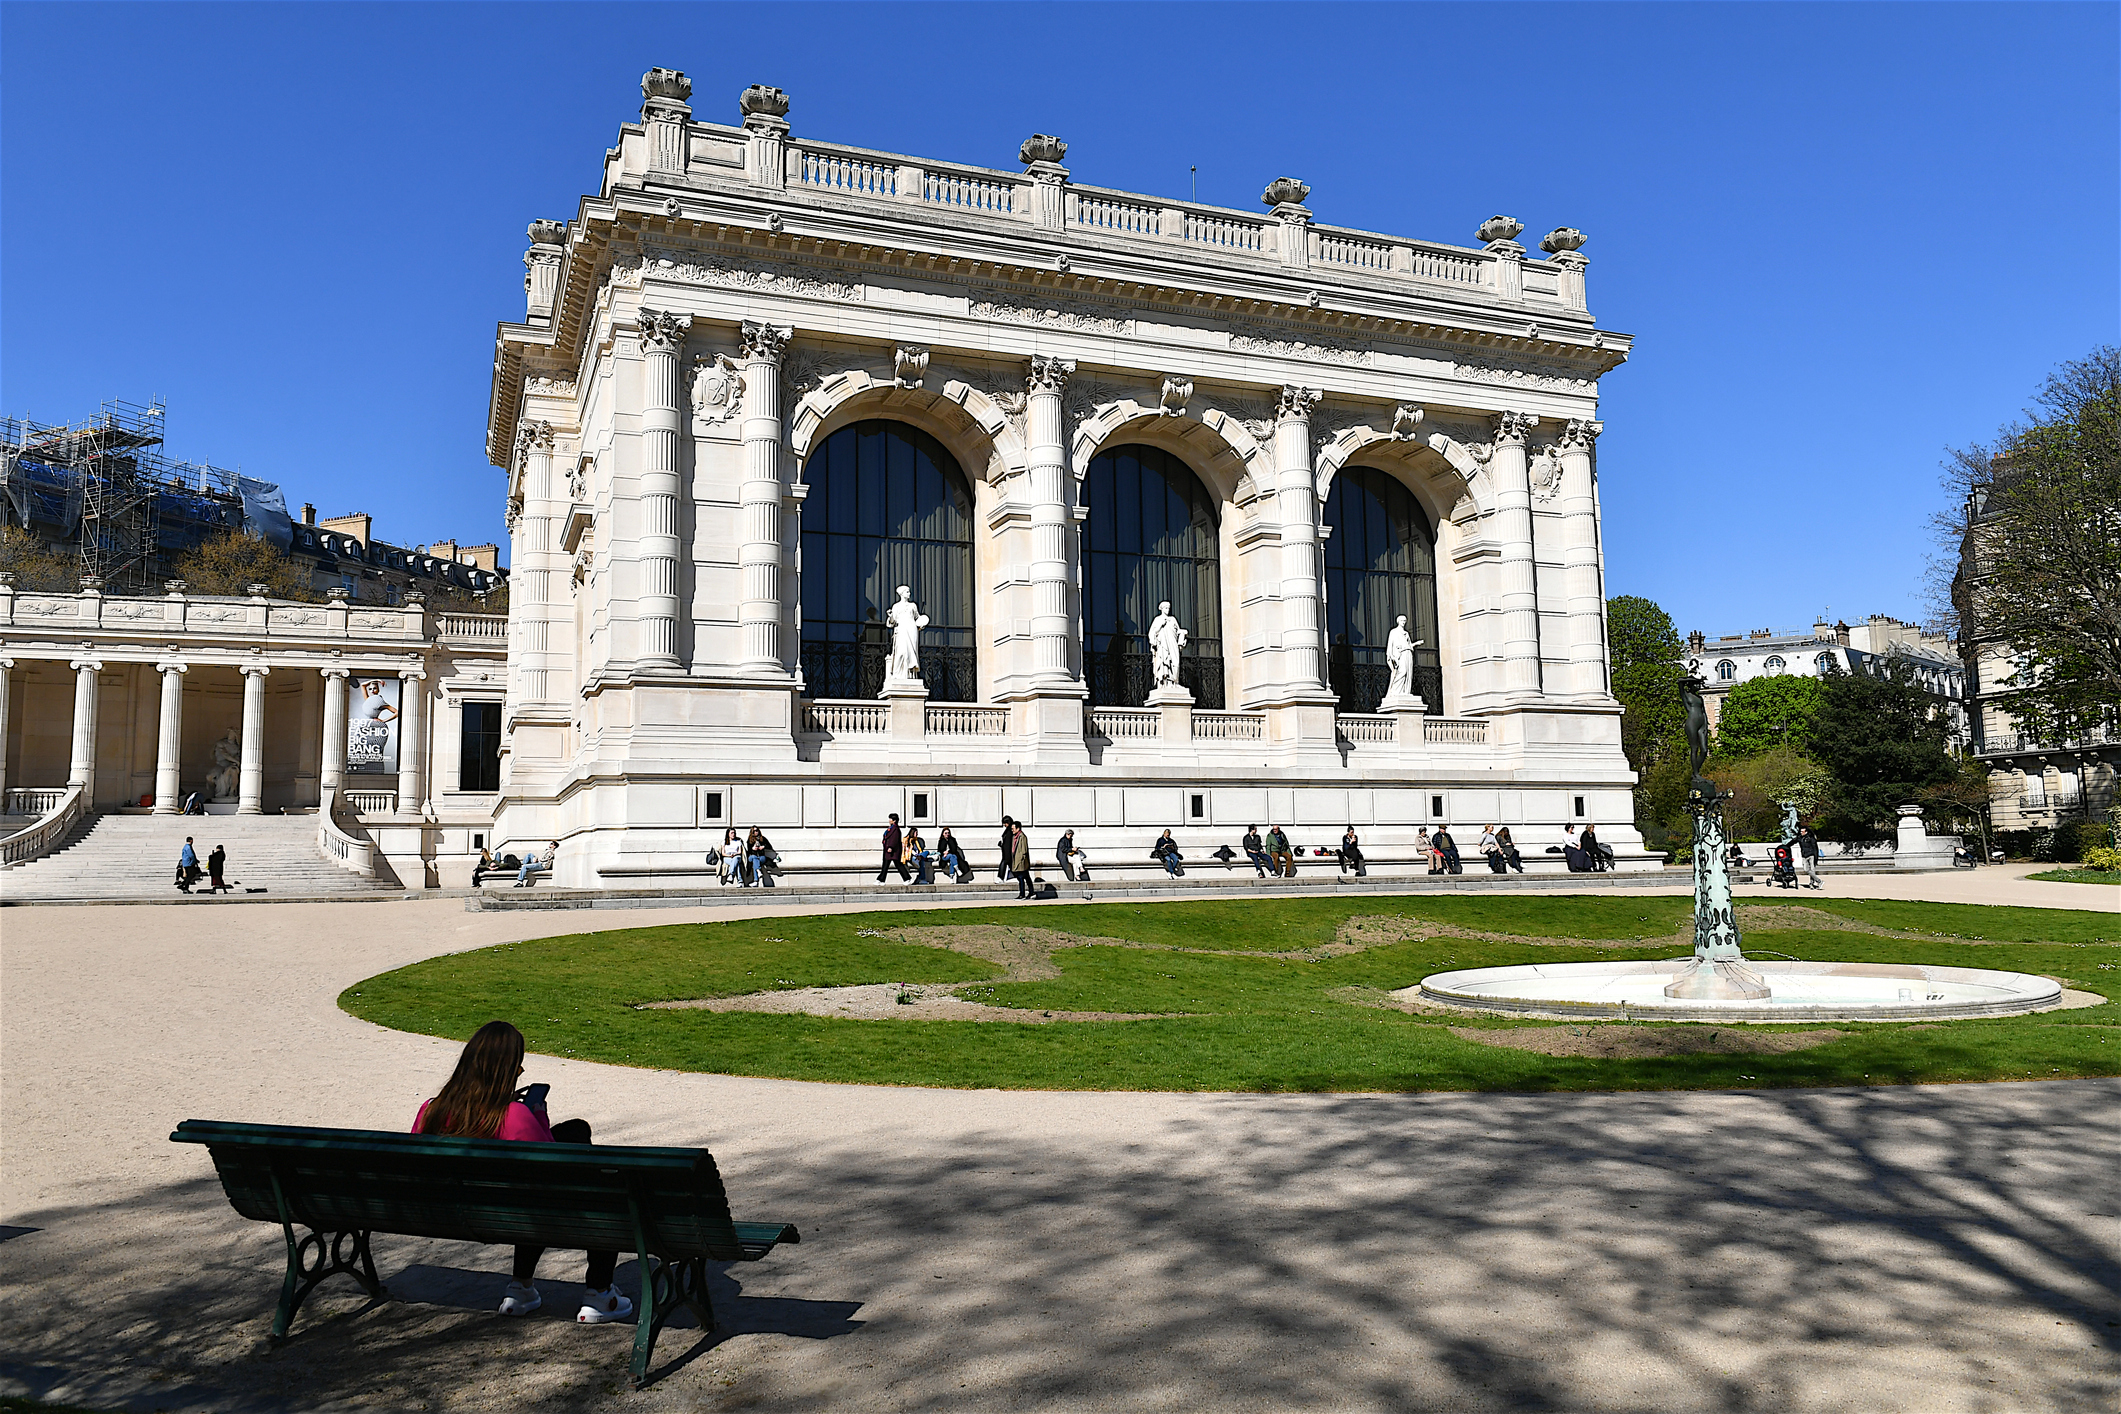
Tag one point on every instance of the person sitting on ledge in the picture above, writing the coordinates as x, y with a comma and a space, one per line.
1256, 850
1165, 851
480, 1101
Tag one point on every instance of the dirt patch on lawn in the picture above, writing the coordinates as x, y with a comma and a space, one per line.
881, 1001
1646, 1042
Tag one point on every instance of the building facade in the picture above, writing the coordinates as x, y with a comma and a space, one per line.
1878, 643
783, 416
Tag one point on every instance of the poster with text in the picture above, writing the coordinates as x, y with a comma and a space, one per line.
372, 726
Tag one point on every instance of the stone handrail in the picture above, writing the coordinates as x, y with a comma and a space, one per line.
353, 855
1229, 726
845, 718
371, 802
1368, 731
949, 719
25, 845
1127, 723
32, 800
483, 627
1454, 731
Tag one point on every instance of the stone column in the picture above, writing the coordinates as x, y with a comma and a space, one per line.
532, 583
412, 741
250, 780
331, 757
7, 667
1303, 656
765, 134
169, 739
665, 113
1050, 520
1286, 196
760, 610
662, 338
1579, 562
1511, 468
82, 770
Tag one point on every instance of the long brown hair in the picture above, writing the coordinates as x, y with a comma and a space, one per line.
473, 1103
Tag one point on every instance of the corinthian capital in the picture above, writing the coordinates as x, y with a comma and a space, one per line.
663, 333
1579, 434
1296, 403
1049, 374
764, 341
533, 437
1512, 427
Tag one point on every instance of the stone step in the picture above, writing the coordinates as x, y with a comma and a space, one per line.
129, 857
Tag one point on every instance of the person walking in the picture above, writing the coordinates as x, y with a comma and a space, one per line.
1279, 852
1508, 847
187, 866
1008, 846
952, 857
1018, 857
215, 864
1350, 852
1808, 847
894, 854
1064, 851
1446, 850
1256, 850
1165, 852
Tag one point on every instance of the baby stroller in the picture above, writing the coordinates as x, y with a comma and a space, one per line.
1784, 874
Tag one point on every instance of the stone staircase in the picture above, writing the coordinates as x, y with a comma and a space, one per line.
119, 857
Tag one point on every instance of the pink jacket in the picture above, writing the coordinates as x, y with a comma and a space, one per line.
521, 1122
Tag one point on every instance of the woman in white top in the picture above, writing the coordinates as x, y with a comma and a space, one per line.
732, 852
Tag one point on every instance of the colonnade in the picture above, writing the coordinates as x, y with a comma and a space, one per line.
250, 791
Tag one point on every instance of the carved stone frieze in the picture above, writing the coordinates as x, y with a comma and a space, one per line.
1526, 374
550, 387
1252, 338
1053, 314
629, 268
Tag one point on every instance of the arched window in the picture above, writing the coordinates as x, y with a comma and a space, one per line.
1775, 666
1726, 670
1380, 558
887, 506
1824, 663
1150, 537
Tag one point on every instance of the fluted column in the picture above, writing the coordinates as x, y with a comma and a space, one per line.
412, 741
760, 610
82, 770
169, 739
1051, 623
7, 667
1303, 657
331, 756
662, 337
532, 584
1579, 561
250, 780
1511, 468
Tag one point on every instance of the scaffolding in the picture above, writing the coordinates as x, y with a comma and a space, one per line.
105, 485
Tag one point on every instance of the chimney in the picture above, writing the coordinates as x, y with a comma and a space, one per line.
356, 524
309, 514
443, 549
1841, 634
485, 557
1696, 642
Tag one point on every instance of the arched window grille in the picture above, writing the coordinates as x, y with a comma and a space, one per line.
887, 506
1380, 559
1726, 670
1824, 663
1150, 536
1775, 666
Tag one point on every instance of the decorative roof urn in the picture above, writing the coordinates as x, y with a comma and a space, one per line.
1499, 228
1041, 147
548, 233
763, 100
668, 84
1285, 191
1561, 238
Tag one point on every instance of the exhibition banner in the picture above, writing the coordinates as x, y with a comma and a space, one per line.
372, 727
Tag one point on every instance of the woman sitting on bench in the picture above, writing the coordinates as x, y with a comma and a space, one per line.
481, 1102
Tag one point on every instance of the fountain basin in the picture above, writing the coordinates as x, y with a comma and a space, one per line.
1799, 991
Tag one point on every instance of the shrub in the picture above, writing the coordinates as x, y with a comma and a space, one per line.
2103, 858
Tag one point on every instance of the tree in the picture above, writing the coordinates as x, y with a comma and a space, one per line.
1962, 798
1882, 739
1646, 679
35, 568
2036, 548
1763, 713
230, 561
1640, 632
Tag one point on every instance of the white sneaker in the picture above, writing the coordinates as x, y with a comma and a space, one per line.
605, 1305
521, 1299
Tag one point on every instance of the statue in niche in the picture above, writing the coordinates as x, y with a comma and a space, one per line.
1166, 638
224, 781
907, 621
1399, 656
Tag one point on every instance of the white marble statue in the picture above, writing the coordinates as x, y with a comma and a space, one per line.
907, 621
224, 781
1165, 639
1399, 653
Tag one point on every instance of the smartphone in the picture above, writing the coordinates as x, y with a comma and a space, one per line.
534, 1095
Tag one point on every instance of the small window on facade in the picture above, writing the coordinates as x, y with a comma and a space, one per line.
1198, 807
920, 805
1579, 807
1436, 807
479, 748
1824, 663
1775, 666
478, 841
714, 805
1726, 670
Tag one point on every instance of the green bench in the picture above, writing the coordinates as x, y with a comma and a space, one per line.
667, 1205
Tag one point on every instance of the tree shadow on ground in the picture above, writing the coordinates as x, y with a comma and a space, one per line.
1914, 1248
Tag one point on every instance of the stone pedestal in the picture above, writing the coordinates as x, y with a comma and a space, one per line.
1407, 712
908, 700
1176, 705
1916, 848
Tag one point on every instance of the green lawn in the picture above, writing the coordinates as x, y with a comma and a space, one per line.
2078, 876
1251, 1020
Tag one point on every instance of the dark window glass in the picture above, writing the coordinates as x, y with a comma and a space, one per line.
479, 748
1380, 563
1150, 537
887, 506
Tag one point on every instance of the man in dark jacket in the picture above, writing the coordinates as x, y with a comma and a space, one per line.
1064, 851
1594, 849
1808, 847
1008, 843
1255, 850
1442, 842
893, 854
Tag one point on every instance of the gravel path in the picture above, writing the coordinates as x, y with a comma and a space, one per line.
1932, 1249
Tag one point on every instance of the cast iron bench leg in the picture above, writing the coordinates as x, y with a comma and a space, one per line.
312, 1258
665, 1286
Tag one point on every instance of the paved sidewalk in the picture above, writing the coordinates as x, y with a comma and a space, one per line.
1940, 1248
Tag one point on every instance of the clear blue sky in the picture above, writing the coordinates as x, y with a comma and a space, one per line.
1846, 236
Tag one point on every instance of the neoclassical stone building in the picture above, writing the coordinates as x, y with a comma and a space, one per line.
762, 382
